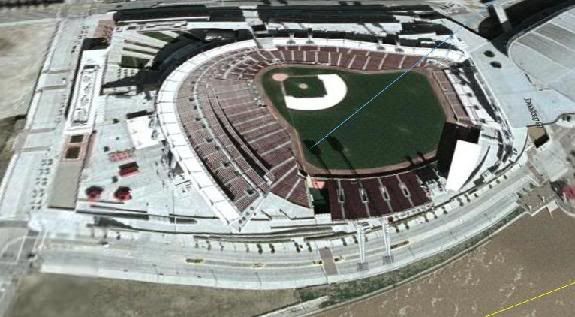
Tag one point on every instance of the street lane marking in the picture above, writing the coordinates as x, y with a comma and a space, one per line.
572, 283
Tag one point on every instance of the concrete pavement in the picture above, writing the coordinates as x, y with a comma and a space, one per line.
233, 267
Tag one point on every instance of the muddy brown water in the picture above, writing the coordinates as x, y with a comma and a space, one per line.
530, 257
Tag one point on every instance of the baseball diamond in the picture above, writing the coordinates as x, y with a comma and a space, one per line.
400, 125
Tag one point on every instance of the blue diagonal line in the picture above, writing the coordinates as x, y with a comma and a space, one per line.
398, 78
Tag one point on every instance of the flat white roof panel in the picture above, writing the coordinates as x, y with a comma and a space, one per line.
178, 140
203, 180
167, 118
227, 210
172, 129
184, 151
166, 97
141, 133
193, 166
214, 195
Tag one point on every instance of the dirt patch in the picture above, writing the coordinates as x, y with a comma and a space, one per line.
5, 44
529, 258
280, 77
49, 295
22, 52
9, 128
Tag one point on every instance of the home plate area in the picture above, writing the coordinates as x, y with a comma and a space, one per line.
313, 92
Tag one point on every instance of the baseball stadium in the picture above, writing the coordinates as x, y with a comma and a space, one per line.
257, 119
282, 119
220, 145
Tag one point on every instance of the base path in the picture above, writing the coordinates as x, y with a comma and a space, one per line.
335, 88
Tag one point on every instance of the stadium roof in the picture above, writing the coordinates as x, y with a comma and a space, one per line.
64, 191
181, 12
546, 53
523, 101
140, 132
464, 162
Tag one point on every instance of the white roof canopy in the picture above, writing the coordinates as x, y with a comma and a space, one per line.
464, 162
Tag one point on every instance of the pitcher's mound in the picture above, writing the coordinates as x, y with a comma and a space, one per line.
279, 76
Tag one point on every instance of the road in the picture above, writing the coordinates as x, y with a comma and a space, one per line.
83, 8
17, 243
232, 266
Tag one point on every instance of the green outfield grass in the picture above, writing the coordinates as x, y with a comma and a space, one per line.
405, 120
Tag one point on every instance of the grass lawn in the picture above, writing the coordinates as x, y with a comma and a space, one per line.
405, 120
304, 87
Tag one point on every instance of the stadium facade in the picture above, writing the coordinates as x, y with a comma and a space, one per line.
232, 159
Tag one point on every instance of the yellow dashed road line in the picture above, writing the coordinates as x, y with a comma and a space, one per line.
572, 283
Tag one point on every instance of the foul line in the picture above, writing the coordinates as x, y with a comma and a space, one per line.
572, 283
382, 91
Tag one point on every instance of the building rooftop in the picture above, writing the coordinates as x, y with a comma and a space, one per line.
546, 52
64, 191
523, 102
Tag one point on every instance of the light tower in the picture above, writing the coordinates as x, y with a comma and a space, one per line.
360, 231
387, 257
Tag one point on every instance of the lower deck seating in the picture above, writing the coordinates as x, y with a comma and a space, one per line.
249, 153
374, 196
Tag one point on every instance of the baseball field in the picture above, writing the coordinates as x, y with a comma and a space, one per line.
401, 124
